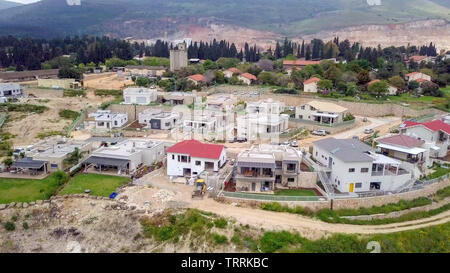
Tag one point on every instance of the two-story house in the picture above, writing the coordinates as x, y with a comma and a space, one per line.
139, 95
106, 120
192, 157
264, 167
353, 166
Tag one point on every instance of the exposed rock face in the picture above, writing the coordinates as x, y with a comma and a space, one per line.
414, 33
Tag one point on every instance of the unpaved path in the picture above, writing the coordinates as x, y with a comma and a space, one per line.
269, 220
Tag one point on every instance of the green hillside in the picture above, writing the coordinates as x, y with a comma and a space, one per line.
151, 17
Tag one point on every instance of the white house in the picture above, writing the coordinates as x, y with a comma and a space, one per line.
267, 106
139, 95
417, 76
321, 112
192, 157
352, 166
105, 119
10, 90
230, 72
126, 156
435, 134
264, 126
310, 85
247, 78
158, 119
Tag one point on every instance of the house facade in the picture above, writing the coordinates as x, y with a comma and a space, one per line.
145, 71
247, 78
11, 90
435, 134
261, 126
310, 85
105, 119
230, 72
192, 157
265, 167
159, 120
125, 157
197, 79
267, 106
417, 76
352, 166
321, 112
139, 95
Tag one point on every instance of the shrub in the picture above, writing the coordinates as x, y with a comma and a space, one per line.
221, 223
273, 241
9, 226
25, 225
69, 114
219, 239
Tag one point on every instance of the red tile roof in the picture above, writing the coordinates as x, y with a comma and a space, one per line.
411, 74
299, 62
311, 80
249, 76
196, 148
435, 125
374, 81
197, 78
402, 140
234, 70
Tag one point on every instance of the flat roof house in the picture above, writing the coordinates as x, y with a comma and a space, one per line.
145, 71
264, 167
221, 102
435, 134
11, 90
139, 95
352, 166
158, 119
321, 112
177, 98
125, 157
266, 106
264, 126
105, 119
192, 157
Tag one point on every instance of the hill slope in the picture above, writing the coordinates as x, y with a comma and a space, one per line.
155, 18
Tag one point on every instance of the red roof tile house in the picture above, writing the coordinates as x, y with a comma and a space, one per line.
192, 157
197, 79
435, 134
230, 72
247, 78
418, 77
311, 85
408, 149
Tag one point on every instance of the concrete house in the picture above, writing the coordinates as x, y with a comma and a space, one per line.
435, 134
267, 106
192, 157
177, 98
392, 90
145, 71
321, 112
158, 119
139, 95
310, 85
264, 126
221, 102
11, 90
231, 71
125, 157
418, 77
264, 167
350, 165
247, 78
105, 119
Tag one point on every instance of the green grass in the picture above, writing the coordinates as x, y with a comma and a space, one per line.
439, 171
100, 185
69, 114
28, 190
295, 192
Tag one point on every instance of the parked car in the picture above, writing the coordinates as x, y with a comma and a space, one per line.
368, 131
294, 143
319, 132
286, 143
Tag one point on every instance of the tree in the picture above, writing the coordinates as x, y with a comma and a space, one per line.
379, 89
142, 81
70, 73
265, 64
73, 158
227, 62
209, 65
432, 89
220, 77
266, 77
324, 85
351, 89
398, 82
363, 76
8, 161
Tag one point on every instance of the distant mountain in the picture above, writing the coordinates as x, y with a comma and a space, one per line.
7, 4
158, 18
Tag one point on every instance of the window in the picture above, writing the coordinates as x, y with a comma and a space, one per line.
173, 157
54, 166
364, 170
358, 185
291, 179
303, 107
198, 163
351, 170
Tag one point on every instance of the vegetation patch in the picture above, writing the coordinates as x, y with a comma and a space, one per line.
46, 134
98, 184
295, 192
74, 93
69, 114
24, 107
28, 190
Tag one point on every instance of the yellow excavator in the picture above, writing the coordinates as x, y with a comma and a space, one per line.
199, 188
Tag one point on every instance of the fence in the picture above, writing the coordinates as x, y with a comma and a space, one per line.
76, 122
322, 124
269, 197
3, 118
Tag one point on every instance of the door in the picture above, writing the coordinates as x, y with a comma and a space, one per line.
352, 185
330, 162
253, 187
